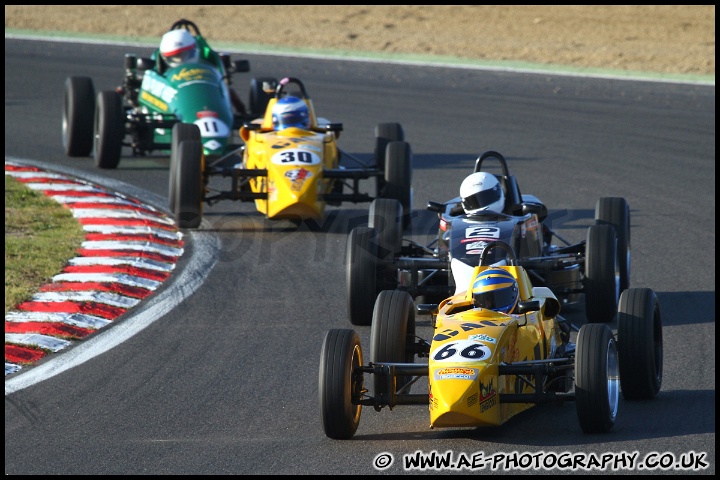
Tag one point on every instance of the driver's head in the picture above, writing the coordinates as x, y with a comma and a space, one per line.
481, 191
290, 111
496, 289
178, 47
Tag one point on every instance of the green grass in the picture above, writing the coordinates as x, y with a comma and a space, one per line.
41, 236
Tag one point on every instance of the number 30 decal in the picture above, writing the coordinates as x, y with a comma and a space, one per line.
295, 156
461, 351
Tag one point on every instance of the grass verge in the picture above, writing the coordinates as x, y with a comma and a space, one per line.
41, 235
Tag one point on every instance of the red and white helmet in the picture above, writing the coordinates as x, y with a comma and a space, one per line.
178, 47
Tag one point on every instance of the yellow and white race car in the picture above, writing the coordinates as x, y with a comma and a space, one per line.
290, 173
485, 366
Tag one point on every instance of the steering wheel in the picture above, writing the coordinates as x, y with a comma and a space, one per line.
510, 253
187, 25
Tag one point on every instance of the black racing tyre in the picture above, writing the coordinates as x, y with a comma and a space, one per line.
640, 344
597, 388
189, 184
398, 177
616, 212
602, 275
78, 116
180, 132
361, 281
384, 134
261, 91
385, 216
109, 129
339, 384
392, 336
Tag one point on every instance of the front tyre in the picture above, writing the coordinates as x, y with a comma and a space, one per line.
180, 132
78, 116
602, 275
398, 177
109, 129
339, 384
641, 344
392, 336
189, 184
384, 134
597, 386
361, 282
385, 216
615, 211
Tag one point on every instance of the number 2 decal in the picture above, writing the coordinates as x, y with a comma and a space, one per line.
461, 351
482, 232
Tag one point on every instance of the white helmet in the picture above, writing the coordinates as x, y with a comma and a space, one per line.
481, 191
178, 47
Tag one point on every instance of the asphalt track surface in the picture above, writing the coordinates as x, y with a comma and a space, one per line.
222, 376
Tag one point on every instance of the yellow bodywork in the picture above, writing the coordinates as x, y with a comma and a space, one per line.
467, 347
295, 159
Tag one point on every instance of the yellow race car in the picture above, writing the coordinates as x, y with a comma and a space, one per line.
498, 348
290, 165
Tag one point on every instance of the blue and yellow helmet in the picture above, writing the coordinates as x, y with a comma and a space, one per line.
290, 111
496, 289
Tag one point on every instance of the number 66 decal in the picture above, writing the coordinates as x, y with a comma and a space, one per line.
461, 351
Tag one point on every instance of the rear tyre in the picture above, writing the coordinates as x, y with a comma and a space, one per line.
261, 91
384, 134
361, 280
615, 211
392, 336
189, 184
602, 275
640, 343
109, 129
385, 216
597, 387
78, 116
180, 132
339, 385
398, 177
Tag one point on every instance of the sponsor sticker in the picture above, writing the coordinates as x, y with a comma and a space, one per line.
488, 396
194, 75
157, 88
460, 373
483, 338
298, 177
475, 245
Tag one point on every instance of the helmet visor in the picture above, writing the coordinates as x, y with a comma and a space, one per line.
293, 119
481, 199
500, 300
179, 57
